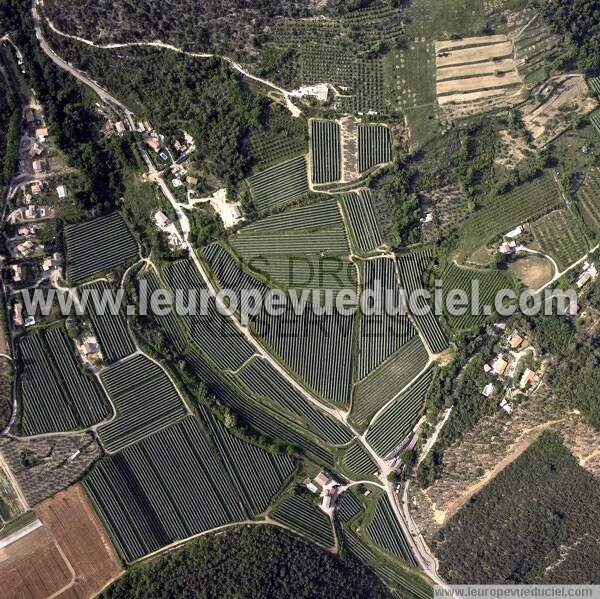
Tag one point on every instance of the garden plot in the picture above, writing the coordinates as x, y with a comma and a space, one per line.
145, 400
98, 245
280, 184
325, 151
562, 99
473, 69
560, 235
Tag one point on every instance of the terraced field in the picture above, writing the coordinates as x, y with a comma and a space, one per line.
412, 266
98, 245
560, 234
524, 203
280, 184
167, 487
257, 475
325, 151
384, 383
392, 426
307, 519
56, 395
364, 230
385, 531
373, 146
264, 381
381, 333
212, 332
252, 413
145, 400
588, 198
111, 328
490, 283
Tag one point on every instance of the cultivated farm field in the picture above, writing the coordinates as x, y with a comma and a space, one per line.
588, 198
325, 151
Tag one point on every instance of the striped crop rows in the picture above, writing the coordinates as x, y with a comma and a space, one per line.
263, 380
56, 394
490, 282
412, 267
382, 385
382, 333
395, 423
373, 146
358, 461
166, 487
145, 399
594, 83
386, 532
363, 224
348, 507
325, 151
321, 215
595, 120
317, 347
253, 413
280, 184
303, 516
588, 196
98, 245
257, 475
212, 333
111, 329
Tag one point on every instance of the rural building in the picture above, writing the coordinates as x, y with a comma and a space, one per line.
35, 150
499, 366
41, 133
327, 502
573, 309
17, 273
312, 487
508, 247
487, 368
90, 345
29, 116
148, 126
583, 280
504, 405
487, 390
39, 166
18, 314
529, 376
319, 91
177, 182
162, 220
36, 188
514, 232
515, 340
120, 127
26, 248
322, 479
191, 180
153, 143
61, 190
29, 321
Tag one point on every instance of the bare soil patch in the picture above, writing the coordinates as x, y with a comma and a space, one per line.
477, 83
349, 143
533, 271
469, 41
475, 54
468, 70
511, 150
85, 543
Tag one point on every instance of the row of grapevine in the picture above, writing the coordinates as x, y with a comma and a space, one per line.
98, 245
385, 531
412, 267
383, 384
490, 282
348, 507
213, 333
56, 395
373, 146
381, 333
326, 242
392, 426
257, 474
145, 400
251, 412
263, 380
110, 325
304, 517
321, 215
595, 120
318, 347
588, 198
167, 487
280, 184
594, 83
357, 461
325, 151
363, 225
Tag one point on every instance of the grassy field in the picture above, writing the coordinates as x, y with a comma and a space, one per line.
525, 202
561, 236
588, 197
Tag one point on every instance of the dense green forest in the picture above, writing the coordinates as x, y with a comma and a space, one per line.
254, 562
541, 517
578, 22
10, 120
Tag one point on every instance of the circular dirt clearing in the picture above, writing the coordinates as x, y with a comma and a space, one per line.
533, 271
